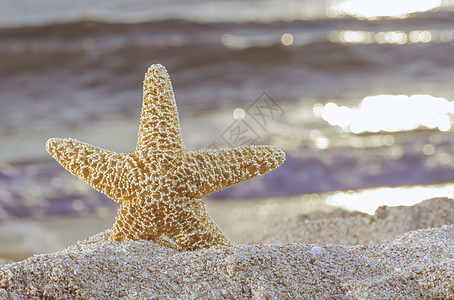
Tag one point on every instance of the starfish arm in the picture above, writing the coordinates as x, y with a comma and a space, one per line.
160, 185
159, 139
210, 171
106, 171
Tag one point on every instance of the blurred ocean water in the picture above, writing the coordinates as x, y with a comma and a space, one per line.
359, 96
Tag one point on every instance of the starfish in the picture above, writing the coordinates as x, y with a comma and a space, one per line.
160, 185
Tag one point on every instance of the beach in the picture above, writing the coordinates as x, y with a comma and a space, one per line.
359, 98
240, 219
379, 260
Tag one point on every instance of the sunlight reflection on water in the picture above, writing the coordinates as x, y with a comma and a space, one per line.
390, 37
389, 113
371, 9
369, 200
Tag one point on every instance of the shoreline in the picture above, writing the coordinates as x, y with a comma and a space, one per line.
239, 219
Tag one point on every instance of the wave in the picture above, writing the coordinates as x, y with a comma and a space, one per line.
119, 48
73, 75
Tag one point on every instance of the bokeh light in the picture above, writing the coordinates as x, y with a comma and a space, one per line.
239, 113
420, 36
287, 39
390, 113
389, 37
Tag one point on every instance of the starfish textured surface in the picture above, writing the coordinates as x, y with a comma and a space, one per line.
160, 185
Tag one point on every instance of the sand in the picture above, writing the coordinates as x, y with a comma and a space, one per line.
342, 227
416, 264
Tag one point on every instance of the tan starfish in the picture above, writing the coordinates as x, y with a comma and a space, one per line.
160, 186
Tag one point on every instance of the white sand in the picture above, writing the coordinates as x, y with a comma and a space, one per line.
418, 264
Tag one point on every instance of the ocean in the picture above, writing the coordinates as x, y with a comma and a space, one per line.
359, 94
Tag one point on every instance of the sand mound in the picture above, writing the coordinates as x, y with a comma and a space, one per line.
341, 227
418, 264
